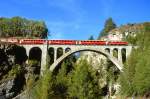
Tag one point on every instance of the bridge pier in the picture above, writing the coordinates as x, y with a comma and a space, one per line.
55, 54
63, 51
111, 51
128, 51
44, 58
27, 52
120, 55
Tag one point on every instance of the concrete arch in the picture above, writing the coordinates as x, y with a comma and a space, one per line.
118, 64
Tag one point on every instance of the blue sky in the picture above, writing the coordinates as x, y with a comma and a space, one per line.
77, 19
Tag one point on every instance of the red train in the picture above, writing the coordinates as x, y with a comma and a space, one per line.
61, 42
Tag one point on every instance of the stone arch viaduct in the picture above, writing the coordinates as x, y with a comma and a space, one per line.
106, 50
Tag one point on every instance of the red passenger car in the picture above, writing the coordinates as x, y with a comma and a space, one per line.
92, 42
32, 41
117, 43
62, 42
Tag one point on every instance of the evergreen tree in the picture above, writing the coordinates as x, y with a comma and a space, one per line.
43, 90
83, 83
127, 76
91, 37
61, 83
109, 25
142, 75
136, 77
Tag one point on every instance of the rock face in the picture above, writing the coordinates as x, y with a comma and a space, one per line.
98, 62
6, 63
14, 72
124, 31
93, 58
5, 89
13, 86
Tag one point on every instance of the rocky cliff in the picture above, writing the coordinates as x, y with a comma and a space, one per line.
14, 72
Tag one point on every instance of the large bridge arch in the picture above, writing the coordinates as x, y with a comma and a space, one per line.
114, 60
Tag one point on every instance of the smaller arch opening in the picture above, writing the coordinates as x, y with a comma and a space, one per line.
107, 50
123, 52
115, 52
59, 52
67, 49
19, 52
35, 55
51, 55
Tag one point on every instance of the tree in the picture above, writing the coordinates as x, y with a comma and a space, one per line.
135, 79
127, 77
142, 75
61, 83
83, 83
91, 37
5, 28
21, 27
43, 89
109, 25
